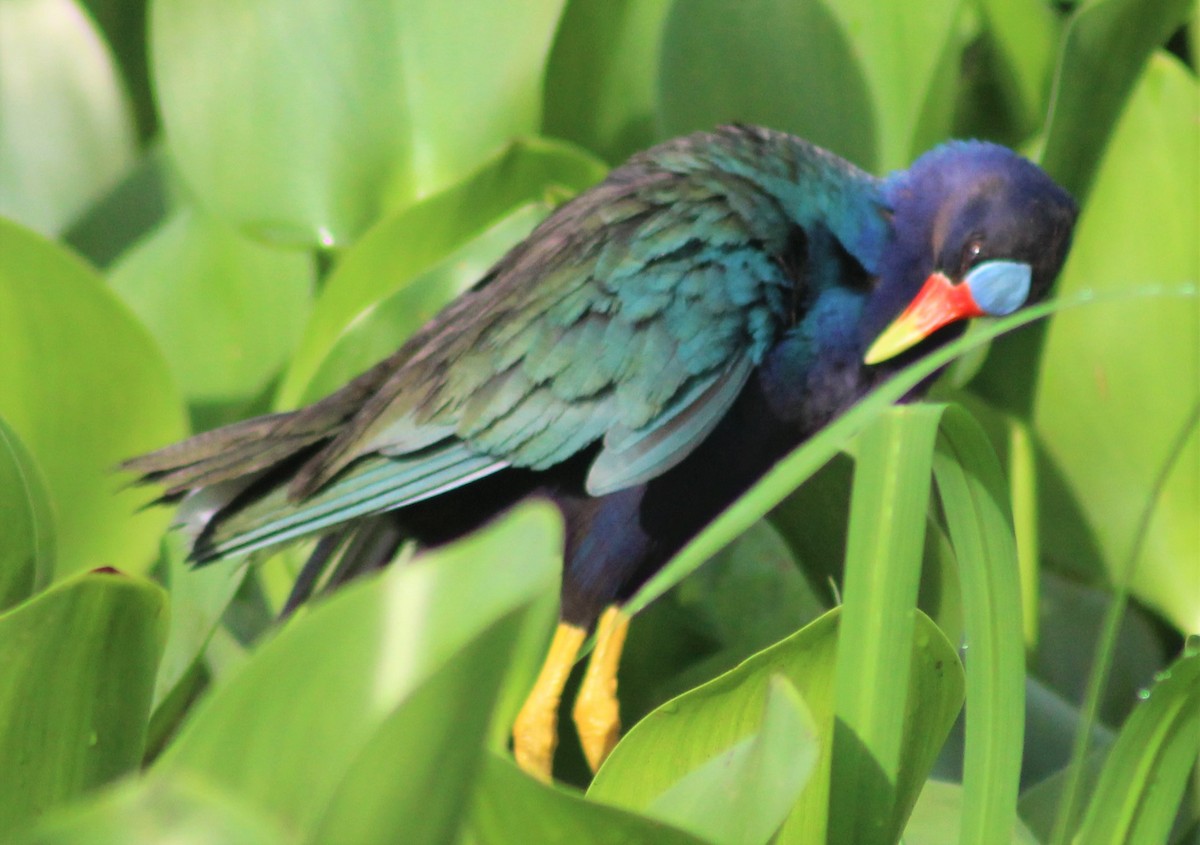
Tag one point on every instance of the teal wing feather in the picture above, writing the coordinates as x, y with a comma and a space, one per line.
632, 316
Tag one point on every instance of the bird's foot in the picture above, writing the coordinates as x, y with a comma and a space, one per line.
597, 711
535, 731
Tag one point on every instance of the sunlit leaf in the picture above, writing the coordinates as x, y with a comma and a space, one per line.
225, 310
290, 726
306, 121
1104, 411
67, 132
83, 385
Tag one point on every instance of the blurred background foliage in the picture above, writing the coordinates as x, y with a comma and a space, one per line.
210, 210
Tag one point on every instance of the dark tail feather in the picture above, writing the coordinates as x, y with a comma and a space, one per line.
344, 555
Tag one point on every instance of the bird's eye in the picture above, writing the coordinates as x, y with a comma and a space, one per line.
971, 254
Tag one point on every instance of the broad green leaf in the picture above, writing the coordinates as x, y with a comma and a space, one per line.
76, 674
1146, 771
871, 790
728, 62
910, 58
974, 498
602, 75
225, 310
709, 719
153, 811
510, 806
412, 781
288, 728
742, 795
84, 387
28, 537
1025, 36
1105, 48
937, 818
306, 120
66, 134
384, 325
404, 246
1104, 411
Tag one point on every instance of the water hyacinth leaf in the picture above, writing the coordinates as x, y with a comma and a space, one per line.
740, 796
77, 668
974, 499
1106, 413
407, 244
84, 387
602, 75
1025, 34
151, 811
1146, 770
706, 721
28, 538
306, 121
67, 133
289, 726
724, 63
510, 806
388, 793
203, 289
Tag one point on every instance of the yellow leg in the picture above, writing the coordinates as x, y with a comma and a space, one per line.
535, 732
597, 715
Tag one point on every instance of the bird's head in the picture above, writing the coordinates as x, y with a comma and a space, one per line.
976, 231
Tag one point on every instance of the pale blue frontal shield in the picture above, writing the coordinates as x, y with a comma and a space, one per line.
1000, 287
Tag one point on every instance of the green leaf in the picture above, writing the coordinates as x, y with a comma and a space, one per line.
602, 75
974, 499
413, 779
226, 310
84, 387
1025, 34
512, 807
1106, 45
28, 538
76, 673
937, 818
292, 728
728, 62
152, 811
1146, 771
1106, 412
403, 247
742, 794
706, 721
305, 121
67, 133
869, 798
